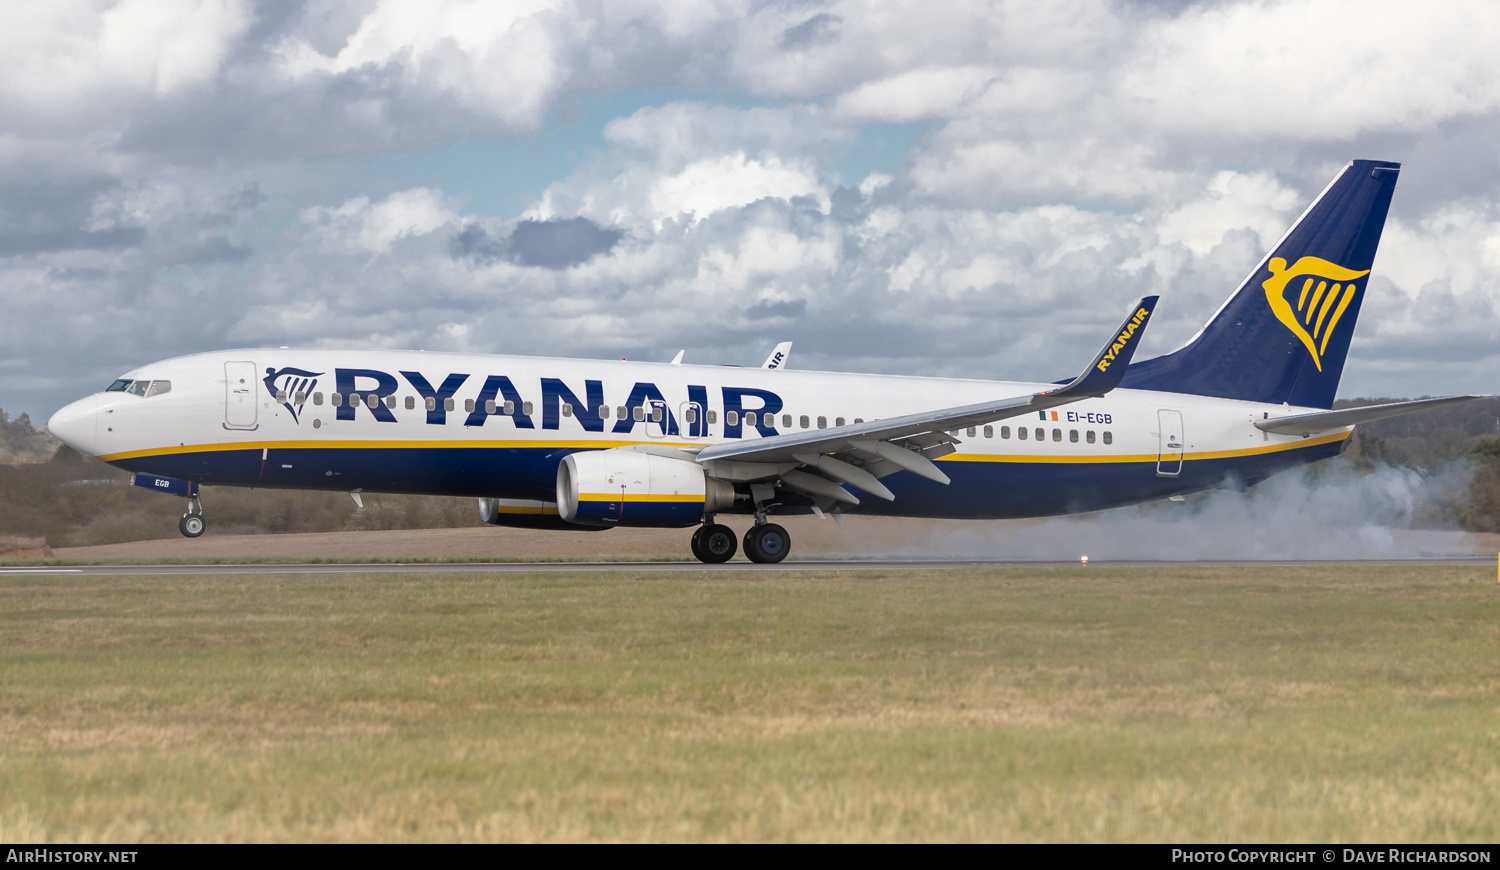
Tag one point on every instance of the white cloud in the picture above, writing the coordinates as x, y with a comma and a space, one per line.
181, 167
709, 186
913, 96
501, 59
1233, 200
1315, 70
374, 227
64, 64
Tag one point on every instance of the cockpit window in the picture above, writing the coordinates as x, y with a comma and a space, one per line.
159, 387
118, 386
137, 388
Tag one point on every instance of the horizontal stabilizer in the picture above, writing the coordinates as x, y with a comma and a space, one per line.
1322, 421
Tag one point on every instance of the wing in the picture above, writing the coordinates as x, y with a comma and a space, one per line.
1321, 421
777, 359
861, 453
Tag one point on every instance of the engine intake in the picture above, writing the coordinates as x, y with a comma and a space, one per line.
628, 488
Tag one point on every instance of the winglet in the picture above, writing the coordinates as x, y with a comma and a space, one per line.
1108, 367
777, 359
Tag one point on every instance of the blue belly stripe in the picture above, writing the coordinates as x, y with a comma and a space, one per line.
980, 490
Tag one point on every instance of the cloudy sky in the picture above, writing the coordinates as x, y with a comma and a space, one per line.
973, 189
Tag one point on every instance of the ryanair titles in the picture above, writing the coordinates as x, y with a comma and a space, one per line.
1122, 340
370, 391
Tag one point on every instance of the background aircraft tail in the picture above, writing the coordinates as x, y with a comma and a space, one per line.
1284, 334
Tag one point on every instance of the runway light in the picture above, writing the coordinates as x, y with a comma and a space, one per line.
1084, 560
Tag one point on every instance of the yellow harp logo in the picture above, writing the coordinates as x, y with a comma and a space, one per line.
1319, 306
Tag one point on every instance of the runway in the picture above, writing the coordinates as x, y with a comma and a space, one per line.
656, 567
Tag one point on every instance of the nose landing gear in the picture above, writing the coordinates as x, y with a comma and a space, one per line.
192, 524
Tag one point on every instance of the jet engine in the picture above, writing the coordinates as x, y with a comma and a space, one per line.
622, 487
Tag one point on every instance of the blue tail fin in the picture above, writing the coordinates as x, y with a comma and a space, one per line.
1284, 334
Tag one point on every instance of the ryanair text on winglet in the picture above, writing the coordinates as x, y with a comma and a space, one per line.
1122, 339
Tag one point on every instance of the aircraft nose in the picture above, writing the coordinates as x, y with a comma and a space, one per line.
77, 425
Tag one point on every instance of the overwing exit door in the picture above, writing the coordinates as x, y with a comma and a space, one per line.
1169, 455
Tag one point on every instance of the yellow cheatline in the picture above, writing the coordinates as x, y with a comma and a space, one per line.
628, 497
1146, 457
223, 447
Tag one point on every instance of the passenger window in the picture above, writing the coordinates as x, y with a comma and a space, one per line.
510, 409
1020, 433
489, 406
805, 422
1005, 432
336, 399
411, 403
603, 412
658, 413
469, 405
118, 386
732, 418
713, 417
839, 421
1089, 436
989, 431
138, 388
298, 398
750, 418
971, 431
1056, 434
786, 421
317, 398
525, 408
1041, 434
638, 413
281, 396
567, 409
822, 422
1108, 438
448, 404
431, 403
371, 400
858, 420
159, 387
622, 412
1073, 435
690, 415
390, 402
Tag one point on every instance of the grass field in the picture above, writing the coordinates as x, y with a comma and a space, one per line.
1013, 703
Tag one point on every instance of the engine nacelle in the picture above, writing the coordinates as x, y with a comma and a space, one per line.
527, 514
627, 488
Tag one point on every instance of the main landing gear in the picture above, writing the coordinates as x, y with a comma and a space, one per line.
713, 543
192, 524
765, 543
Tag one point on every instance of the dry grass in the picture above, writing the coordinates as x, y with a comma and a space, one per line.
1013, 703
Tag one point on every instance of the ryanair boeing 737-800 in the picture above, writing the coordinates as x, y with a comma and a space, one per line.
582, 444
